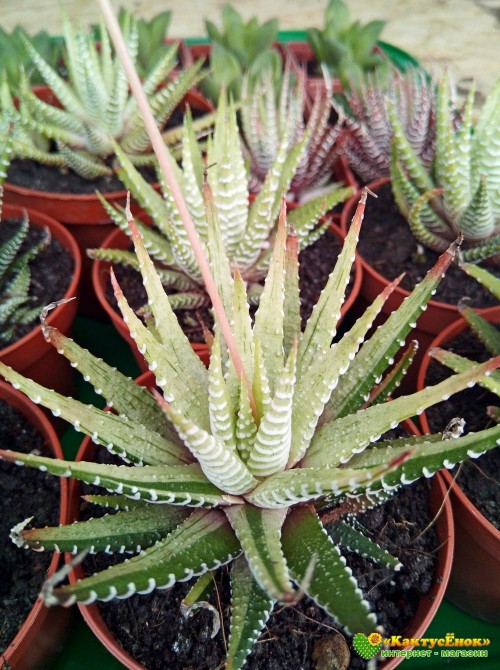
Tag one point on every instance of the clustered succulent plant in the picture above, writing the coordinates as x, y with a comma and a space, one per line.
460, 194
234, 465
16, 253
368, 111
239, 48
268, 119
247, 228
347, 47
97, 107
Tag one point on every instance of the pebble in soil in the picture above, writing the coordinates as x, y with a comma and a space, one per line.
23, 493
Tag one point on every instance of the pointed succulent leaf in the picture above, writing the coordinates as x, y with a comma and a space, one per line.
291, 308
318, 564
259, 533
383, 391
487, 279
271, 447
317, 382
246, 427
486, 331
120, 392
377, 353
268, 327
355, 539
250, 609
222, 418
321, 327
184, 485
129, 439
461, 364
335, 442
127, 531
477, 220
203, 542
426, 459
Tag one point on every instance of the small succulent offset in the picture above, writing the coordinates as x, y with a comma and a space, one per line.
247, 228
231, 467
347, 47
97, 107
465, 172
239, 48
367, 112
16, 305
267, 118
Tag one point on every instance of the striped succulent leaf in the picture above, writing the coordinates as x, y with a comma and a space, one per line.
367, 110
269, 120
465, 172
97, 106
261, 459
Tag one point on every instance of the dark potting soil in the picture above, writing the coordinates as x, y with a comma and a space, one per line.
387, 244
51, 271
316, 264
152, 630
23, 493
478, 477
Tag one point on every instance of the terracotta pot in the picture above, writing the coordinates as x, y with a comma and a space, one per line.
100, 280
437, 316
32, 355
40, 637
82, 213
478, 541
426, 609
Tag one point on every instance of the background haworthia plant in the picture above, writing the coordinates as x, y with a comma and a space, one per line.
96, 105
247, 228
239, 48
268, 119
16, 253
367, 119
460, 193
235, 471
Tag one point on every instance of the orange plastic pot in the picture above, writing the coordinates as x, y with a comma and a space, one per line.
82, 213
423, 616
32, 355
40, 637
100, 280
477, 551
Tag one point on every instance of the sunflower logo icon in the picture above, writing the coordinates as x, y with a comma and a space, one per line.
375, 638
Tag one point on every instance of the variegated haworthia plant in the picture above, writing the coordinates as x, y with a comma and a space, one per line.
16, 253
230, 469
97, 107
460, 194
268, 119
367, 144
247, 228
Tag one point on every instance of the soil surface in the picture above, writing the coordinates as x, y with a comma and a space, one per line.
387, 244
316, 264
153, 631
23, 493
33, 175
51, 271
479, 477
